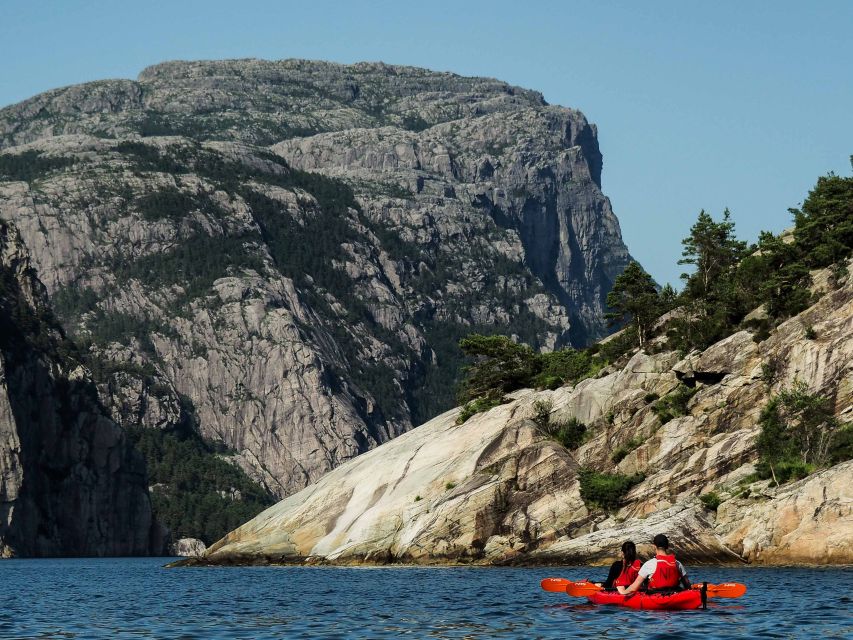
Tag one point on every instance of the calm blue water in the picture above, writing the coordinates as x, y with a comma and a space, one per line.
136, 598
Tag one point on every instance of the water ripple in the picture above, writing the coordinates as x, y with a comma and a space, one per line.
137, 598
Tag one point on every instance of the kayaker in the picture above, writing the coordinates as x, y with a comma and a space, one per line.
623, 572
663, 572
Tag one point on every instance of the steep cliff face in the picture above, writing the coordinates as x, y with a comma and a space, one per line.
289, 251
496, 489
70, 483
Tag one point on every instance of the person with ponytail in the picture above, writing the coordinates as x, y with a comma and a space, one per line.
623, 572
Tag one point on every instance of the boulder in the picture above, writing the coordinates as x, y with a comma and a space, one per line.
187, 548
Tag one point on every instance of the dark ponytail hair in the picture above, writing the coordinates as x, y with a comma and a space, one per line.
630, 551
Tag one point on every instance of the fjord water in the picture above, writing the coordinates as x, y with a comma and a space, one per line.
137, 598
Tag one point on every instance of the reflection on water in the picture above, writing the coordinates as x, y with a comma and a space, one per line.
137, 598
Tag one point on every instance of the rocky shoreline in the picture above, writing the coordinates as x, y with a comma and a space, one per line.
497, 490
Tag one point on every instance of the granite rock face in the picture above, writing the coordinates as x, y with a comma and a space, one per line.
286, 253
809, 521
496, 489
187, 548
70, 482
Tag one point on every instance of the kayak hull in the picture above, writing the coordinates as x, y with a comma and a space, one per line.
690, 599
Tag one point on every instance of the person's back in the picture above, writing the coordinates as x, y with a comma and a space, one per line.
623, 572
663, 572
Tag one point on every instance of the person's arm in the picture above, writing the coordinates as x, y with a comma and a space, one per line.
633, 587
685, 581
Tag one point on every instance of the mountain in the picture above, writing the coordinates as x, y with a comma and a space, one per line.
283, 255
71, 483
671, 447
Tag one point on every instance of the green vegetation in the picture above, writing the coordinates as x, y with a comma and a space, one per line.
30, 165
389, 189
768, 372
711, 500
634, 298
194, 264
571, 434
605, 490
708, 297
432, 389
824, 226
172, 204
149, 158
104, 328
841, 448
198, 496
542, 413
800, 434
308, 249
565, 366
231, 176
434, 384
72, 301
24, 327
478, 405
501, 366
730, 278
674, 404
624, 449
450, 485
414, 122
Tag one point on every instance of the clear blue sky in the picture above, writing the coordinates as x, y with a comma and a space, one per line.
698, 104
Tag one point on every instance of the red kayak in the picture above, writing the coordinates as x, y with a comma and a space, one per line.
690, 599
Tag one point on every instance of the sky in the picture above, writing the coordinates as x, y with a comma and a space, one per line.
699, 105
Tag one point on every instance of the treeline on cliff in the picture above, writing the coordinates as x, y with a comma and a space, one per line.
195, 491
731, 285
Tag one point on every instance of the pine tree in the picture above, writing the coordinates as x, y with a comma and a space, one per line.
714, 251
500, 366
634, 298
824, 226
711, 297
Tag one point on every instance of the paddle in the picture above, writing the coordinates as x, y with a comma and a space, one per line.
573, 588
582, 588
724, 589
557, 585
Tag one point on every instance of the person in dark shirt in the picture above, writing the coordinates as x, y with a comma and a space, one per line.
623, 572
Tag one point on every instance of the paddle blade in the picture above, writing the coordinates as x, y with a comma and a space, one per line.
557, 585
581, 589
724, 589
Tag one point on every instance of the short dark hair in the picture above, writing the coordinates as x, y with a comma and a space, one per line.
661, 541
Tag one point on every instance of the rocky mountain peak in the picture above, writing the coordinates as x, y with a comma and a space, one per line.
291, 250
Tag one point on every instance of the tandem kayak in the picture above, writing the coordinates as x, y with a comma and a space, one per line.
690, 599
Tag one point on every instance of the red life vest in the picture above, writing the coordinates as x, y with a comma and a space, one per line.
666, 573
628, 575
